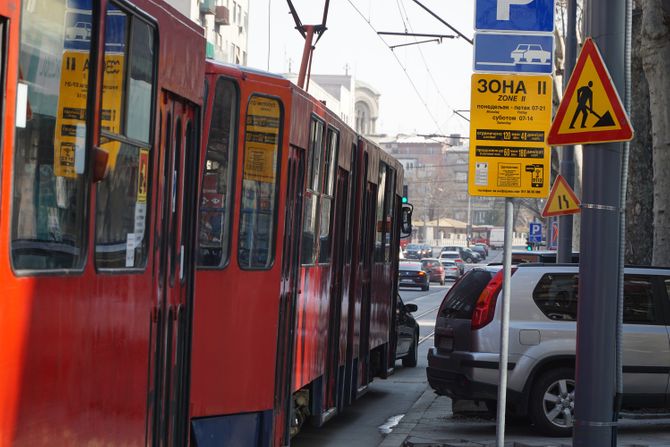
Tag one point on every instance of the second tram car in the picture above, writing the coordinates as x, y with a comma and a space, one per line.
191, 253
295, 279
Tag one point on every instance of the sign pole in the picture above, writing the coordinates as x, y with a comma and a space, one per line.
565, 223
595, 415
504, 327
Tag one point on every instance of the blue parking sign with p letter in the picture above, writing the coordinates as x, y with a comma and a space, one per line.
515, 15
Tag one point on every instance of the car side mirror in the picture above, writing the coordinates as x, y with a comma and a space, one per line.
406, 220
411, 307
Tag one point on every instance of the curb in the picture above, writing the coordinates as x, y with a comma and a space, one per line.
401, 431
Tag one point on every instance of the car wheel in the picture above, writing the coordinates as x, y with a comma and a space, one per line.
552, 402
426, 287
412, 357
468, 260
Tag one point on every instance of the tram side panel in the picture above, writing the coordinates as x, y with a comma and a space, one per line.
78, 297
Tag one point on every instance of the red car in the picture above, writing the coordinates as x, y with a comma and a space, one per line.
434, 268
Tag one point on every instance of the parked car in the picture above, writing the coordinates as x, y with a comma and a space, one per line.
484, 246
412, 274
479, 250
465, 253
454, 256
434, 268
407, 333
463, 362
451, 269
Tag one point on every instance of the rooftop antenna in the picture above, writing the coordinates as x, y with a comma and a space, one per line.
308, 31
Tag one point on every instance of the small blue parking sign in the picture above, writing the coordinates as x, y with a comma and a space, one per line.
535, 233
515, 15
514, 53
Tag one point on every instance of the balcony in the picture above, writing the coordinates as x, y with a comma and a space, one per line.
222, 16
208, 6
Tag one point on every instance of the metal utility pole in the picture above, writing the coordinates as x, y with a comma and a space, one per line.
565, 223
595, 416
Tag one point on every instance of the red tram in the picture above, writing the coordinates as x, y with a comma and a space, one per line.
194, 253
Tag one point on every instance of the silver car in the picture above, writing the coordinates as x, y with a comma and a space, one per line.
463, 364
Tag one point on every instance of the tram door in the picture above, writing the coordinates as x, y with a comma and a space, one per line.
366, 281
290, 277
173, 270
339, 224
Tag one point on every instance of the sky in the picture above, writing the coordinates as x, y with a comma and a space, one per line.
440, 73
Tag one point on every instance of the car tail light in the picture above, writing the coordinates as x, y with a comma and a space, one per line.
486, 303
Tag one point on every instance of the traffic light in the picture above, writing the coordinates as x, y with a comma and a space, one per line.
404, 194
529, 245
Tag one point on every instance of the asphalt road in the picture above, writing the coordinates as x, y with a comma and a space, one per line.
364, 423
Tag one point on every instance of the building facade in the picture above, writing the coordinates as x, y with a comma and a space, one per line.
226, 24
436, 173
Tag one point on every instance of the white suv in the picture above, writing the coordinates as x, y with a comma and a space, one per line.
463, 364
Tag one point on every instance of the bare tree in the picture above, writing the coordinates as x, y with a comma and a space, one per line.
656, 62
640, 189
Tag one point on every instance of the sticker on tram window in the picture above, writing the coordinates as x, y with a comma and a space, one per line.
143, 176
261, 139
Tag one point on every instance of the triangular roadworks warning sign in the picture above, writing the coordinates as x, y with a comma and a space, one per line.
562, 200
590, 111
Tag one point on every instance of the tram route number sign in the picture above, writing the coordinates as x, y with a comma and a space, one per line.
510, 116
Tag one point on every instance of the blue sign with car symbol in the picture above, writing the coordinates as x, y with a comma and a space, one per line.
515, 15
514, 53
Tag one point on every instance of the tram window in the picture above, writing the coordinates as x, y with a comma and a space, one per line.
217, 183
121, 208
315, 149
332, 145
122, 197
140, 81
379, 215
49, 192
330, 165
388, 212
308, 245
260, 179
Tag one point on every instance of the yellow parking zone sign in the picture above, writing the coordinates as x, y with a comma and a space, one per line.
510, 116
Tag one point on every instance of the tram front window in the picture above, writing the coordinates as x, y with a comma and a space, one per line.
49, 193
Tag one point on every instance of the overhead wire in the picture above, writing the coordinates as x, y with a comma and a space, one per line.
425, 63
404, 69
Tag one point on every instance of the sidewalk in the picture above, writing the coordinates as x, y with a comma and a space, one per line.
431, 423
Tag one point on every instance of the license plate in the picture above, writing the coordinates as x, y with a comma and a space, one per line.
406, 281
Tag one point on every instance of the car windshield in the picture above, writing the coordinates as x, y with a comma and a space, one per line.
412, 247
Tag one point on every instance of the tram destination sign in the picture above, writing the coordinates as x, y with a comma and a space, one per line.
510, 117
